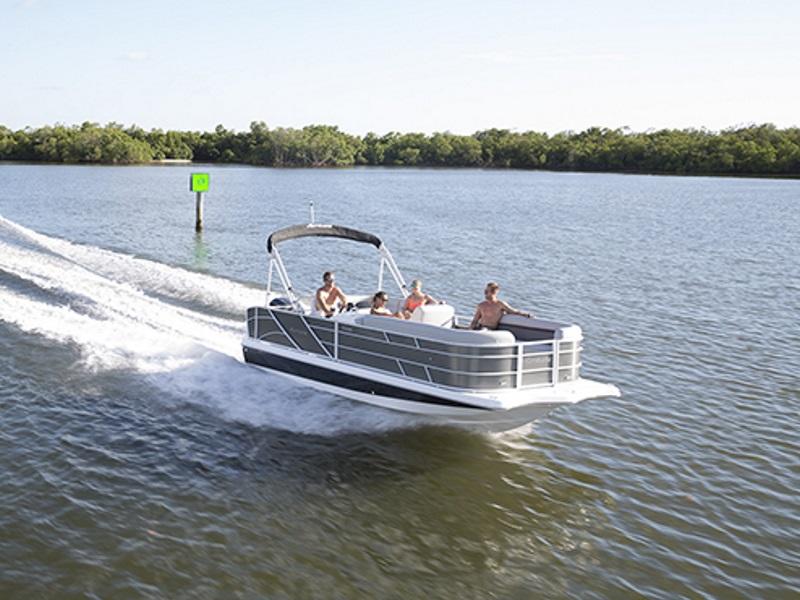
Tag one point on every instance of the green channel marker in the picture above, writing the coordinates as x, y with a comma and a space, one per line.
198, 182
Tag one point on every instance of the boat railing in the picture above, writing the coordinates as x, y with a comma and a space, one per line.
422, 358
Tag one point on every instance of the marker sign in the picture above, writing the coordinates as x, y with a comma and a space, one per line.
198, 182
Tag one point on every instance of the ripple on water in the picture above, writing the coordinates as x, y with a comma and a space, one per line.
141, 459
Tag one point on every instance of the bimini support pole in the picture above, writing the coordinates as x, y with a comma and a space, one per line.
396, 274
269, 275
284, 277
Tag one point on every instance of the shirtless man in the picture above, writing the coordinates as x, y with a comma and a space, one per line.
491, 310
328, 294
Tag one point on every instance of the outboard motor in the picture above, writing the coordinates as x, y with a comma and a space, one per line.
279, 302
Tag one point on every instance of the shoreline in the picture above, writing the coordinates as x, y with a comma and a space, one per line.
751, 151
186, 162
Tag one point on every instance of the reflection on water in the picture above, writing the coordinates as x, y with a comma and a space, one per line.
201, 251
141, 458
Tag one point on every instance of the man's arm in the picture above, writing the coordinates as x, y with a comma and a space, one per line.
476, 319
342, 298
513, 311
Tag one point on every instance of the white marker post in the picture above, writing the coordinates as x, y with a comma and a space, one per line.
198, 183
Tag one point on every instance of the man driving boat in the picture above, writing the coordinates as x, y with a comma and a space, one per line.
329, 294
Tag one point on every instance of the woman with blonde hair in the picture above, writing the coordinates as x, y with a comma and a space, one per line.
416, 299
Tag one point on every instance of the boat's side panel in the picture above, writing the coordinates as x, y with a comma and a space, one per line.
452, 365
477, 419
345, 382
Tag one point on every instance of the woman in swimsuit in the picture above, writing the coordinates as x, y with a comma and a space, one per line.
416, 298
379, 306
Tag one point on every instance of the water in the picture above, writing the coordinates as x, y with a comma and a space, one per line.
140, 458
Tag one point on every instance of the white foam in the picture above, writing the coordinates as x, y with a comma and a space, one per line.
153, 276
112, 307
246, 394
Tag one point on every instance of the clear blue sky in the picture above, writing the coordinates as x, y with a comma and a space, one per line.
401, 65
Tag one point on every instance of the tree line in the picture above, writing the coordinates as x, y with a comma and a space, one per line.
751, 150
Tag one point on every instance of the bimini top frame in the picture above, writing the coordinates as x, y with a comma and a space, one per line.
316, 230
334, 231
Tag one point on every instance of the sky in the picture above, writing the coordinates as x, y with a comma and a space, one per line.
401, 65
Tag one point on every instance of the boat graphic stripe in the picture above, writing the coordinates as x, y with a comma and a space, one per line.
345, 380
296, 328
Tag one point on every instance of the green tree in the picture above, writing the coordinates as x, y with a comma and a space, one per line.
751, 150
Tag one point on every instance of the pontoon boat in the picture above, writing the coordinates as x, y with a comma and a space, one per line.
431, 364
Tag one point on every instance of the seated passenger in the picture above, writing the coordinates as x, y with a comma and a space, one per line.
328, 295
416, 298
379, 306
491, 310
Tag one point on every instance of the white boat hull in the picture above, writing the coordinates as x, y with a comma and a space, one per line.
486, 411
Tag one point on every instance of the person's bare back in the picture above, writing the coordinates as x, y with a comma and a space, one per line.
490, 311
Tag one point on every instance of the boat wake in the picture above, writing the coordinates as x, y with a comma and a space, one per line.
177, 330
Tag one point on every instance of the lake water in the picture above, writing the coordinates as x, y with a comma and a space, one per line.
140, 458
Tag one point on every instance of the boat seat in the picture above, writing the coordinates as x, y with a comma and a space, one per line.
441, 315
527, 329
365, 303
